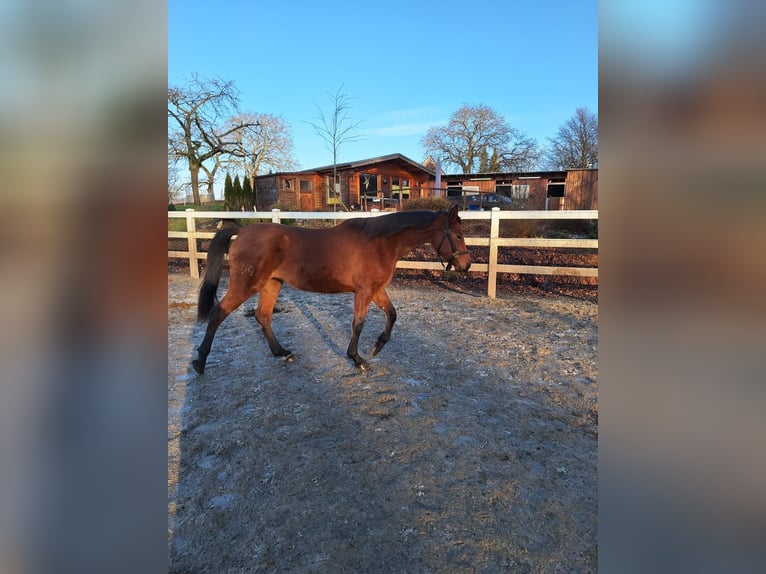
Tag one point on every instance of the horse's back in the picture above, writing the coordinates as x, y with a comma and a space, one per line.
253, 240
271, 236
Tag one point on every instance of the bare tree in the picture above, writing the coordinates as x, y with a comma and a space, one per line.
174, 183
336, 127
576, 143
270, 147
200, 130
478, 137
210, 172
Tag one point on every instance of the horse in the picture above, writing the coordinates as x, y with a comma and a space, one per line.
359, 255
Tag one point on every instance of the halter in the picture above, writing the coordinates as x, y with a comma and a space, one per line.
448, 236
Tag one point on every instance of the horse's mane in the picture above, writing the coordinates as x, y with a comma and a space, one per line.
387, 225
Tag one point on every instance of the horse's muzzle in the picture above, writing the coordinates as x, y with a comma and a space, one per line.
461, 262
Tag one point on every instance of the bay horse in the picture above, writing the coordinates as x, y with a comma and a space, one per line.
358, 256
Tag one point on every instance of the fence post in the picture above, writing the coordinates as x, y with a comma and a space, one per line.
494, 234
275, 215
191, 233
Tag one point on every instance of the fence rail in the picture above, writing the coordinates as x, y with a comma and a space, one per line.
493, 242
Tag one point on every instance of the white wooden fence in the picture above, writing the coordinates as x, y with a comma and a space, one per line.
493, 242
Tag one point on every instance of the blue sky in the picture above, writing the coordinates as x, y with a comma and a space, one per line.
406, 65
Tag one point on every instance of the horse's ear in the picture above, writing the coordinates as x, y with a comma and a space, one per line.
452, 213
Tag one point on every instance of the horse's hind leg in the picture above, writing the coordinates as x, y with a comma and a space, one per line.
263, 313
361, 304
218, 313
381, 300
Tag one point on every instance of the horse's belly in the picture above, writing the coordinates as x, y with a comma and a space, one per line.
321, 286
306, 280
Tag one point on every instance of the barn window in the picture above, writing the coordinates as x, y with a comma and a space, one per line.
555, 188
504, 188
520, 191
455, 189
368, 183
305, 185
400, 186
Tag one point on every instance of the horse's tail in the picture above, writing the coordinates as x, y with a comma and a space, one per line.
218, 247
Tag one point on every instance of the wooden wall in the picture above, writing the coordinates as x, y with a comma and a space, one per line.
266, 192
582, 189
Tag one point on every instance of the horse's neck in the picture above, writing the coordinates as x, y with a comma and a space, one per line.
412, 237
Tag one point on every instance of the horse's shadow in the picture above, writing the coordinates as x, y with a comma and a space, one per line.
294, 300
439, 280
321, 328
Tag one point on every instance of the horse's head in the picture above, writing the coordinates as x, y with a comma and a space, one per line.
450, 243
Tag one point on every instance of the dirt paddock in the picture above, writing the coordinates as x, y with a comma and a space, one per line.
470, 446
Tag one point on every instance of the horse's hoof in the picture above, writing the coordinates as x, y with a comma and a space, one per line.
363, 366
290, 358
198, 366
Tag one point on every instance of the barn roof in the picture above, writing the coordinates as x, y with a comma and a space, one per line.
396, 158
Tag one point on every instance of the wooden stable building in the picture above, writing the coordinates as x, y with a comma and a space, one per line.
382, 182
388, 181
545, 190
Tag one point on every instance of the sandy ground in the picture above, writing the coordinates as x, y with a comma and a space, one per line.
470, 446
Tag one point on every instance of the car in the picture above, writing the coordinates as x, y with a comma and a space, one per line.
482, 201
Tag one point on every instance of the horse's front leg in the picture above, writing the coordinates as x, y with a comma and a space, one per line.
361, 304
381, 300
